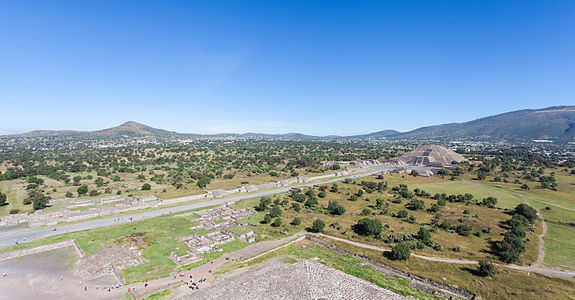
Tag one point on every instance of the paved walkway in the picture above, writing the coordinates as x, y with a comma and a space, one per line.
9, 237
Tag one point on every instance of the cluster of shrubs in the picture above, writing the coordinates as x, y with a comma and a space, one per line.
370, 186
402, 191
274, 212
513, 244
402, 250
466, 198
399, 238
548, 182
309, 198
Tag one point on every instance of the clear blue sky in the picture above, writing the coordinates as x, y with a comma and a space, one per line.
316, 67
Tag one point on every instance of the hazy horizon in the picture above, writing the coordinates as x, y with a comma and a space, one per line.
16, 131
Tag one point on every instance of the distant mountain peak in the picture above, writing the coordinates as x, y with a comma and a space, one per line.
133, 129
132, 123
555, 122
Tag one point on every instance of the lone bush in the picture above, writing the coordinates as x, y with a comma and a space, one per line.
368, 227
82, 190
317, 226
277, 223
424, 235
335, 208
486, 268
401, 252
267, 219
296, 221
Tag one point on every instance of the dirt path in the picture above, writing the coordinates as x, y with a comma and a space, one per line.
255, 251
534, 268
142, 290
541, 244
539, 200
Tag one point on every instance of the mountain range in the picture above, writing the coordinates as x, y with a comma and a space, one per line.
555, 123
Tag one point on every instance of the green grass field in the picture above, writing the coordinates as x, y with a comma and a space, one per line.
560, 246
559, 242
472, 247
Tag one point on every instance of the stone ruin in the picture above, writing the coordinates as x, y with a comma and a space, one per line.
221, 219
306, 279
429, 156
358, 163
80, 209
419, 171
73, 209
109, 261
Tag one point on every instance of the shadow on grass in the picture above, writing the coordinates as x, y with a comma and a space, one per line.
471, 271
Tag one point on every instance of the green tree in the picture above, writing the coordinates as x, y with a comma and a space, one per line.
335, 208
400, 251
2, 199
296, 221
416, 204
402, 214
368, 227
82, 190
267, 219
486, 268
334, 188
40, 201
510, 248
490, 201
277, 223
311, 202
263, 205
296, 207
518, 220
527, 211
424, 235
317, 226
99, 181
366, 212
276, 211
146, 187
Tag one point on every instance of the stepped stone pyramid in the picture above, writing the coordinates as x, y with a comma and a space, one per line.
429, 155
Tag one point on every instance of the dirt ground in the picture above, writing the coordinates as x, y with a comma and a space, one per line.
34, 276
